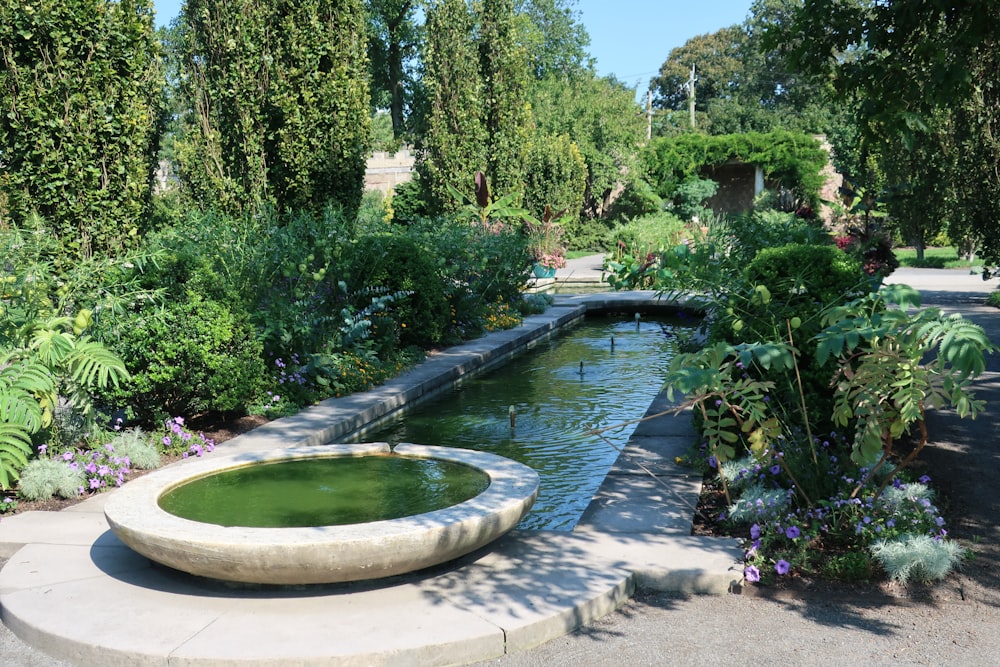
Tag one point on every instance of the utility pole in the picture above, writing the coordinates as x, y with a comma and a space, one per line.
649, 115
690, 88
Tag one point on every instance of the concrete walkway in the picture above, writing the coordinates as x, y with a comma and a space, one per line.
72, 590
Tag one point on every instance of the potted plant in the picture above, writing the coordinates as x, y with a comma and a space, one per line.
547, 249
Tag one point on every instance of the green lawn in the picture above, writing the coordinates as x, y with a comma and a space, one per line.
934, 258
576, 254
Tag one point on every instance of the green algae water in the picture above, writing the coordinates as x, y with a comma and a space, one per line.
556, 402
327, 491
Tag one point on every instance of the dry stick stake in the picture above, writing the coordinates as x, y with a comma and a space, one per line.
802, 395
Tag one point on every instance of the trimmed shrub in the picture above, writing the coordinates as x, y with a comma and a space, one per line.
191, 356
781, 294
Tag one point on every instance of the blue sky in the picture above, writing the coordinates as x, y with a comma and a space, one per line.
629, 38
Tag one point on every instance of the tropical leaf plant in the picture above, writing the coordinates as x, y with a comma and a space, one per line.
893, 364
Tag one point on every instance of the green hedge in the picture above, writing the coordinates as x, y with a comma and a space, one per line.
792, 159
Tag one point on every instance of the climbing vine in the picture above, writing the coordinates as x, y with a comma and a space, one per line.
791, 159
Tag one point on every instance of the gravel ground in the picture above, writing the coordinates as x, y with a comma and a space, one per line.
815, 623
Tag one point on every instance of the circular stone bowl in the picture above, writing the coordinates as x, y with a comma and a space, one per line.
319, 554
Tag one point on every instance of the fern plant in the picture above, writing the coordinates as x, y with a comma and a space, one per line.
21, 414
49, 361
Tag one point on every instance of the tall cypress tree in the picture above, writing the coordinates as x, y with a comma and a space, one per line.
504, 69
278, 100
454, 142
80, 89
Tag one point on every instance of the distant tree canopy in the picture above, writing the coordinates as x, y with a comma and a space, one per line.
921, 77
553, 38
394, 39
739, 85
80, 89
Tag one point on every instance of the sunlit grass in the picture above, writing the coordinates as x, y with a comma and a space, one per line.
934, 258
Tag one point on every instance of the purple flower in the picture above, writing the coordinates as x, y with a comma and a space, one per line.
713, 462
782, 567
755, 532
775, 469
42, 449
95, 483
924, 479
792, 532
67, 456
179, 421
751, 573
166, 440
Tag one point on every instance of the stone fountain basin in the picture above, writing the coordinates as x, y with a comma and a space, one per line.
320, 554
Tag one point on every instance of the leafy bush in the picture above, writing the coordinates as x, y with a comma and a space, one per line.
649, 233
638, 199
409, 202
792, 281
690, 195
480, 264
188, 357
747, 234
397, 263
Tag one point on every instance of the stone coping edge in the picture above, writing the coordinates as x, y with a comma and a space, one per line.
338, 418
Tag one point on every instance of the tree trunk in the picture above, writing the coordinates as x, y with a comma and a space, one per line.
396, 87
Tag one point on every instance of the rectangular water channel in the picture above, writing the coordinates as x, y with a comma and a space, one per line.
605, 371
